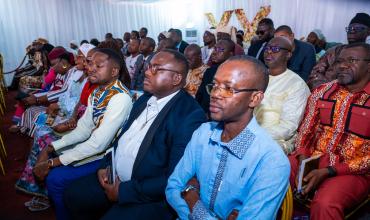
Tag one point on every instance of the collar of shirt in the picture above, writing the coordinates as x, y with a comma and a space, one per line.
160, 103
238, 145
178, 45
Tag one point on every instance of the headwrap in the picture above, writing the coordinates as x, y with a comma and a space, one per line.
229, 30
73, 42
166, 34
319, 34
361, 18
85, 48
56, 52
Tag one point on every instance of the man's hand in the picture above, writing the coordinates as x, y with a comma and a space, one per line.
111, 190
191, 197
41, 170
53, 109
314, 178
30, 100
103, 176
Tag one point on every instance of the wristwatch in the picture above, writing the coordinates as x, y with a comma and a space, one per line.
189, 188
332, 172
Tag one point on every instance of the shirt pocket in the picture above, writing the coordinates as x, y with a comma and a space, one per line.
326, 111
358, 121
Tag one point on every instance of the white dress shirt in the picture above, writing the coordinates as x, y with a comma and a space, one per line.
282, 107
130, 142
206, 53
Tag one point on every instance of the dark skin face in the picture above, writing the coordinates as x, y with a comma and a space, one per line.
176, 38
133, 46
60, 66
194, 57
235, 111
209, 38
142, 33
134, 35
223, 36
163, 82
165, 43
88, 62
145, 47
80, 60
126, 37
221, 52
161, 37
103, 70
278, 61
286, 35
353, 75
313, 39
264, 32
358, 36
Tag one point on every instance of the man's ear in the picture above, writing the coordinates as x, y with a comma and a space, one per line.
177, 79
289, 55
115, 72
256, 99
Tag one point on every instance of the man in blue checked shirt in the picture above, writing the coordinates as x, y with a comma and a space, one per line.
231, 167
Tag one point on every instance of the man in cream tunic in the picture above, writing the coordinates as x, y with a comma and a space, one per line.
285, 98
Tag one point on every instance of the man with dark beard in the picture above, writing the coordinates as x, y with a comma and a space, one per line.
336, 127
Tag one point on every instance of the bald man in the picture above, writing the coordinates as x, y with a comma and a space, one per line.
231, 157
193, 54
285, 98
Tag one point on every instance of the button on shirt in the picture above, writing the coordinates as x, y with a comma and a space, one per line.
130, 142
249, 173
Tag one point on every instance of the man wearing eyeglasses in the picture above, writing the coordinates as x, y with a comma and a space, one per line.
336, 127
286, 95
221, 52
231, 167
146, 151
265, 32
357, 31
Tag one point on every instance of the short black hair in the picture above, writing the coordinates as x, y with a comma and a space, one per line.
144, 29
177, 32
135, 32
108, 35
112, 55
259, 68
266, 21
94, 42
194, 47
151, 41
284, 28
84, 42
180, 59
362, 45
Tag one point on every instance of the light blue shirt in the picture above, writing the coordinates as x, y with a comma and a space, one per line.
249, 173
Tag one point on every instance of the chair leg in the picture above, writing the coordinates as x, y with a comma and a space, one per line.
2, 111
3, 146
2, 167
2, 98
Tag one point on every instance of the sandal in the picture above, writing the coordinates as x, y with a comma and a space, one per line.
29, 203
39, 204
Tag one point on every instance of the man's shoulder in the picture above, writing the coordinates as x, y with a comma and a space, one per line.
305, 46
185, 104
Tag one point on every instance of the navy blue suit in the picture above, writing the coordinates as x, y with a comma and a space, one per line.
143, 197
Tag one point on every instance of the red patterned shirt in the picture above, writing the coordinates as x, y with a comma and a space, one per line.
336, 124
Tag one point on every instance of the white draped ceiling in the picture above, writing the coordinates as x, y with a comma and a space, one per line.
61, 21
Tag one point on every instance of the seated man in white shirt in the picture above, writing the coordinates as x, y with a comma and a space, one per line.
108, 108
133, 49
285, 98
147, 150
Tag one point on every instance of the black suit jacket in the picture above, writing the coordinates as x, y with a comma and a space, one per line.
254, 48
183, 46
161, 149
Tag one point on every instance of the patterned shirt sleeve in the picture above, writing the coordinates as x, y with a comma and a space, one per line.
200, 212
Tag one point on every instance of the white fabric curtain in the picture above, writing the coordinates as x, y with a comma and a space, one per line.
60, 21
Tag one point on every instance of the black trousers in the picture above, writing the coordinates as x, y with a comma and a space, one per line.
85, 199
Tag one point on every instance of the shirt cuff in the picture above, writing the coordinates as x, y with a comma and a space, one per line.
59, 144
200, 212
